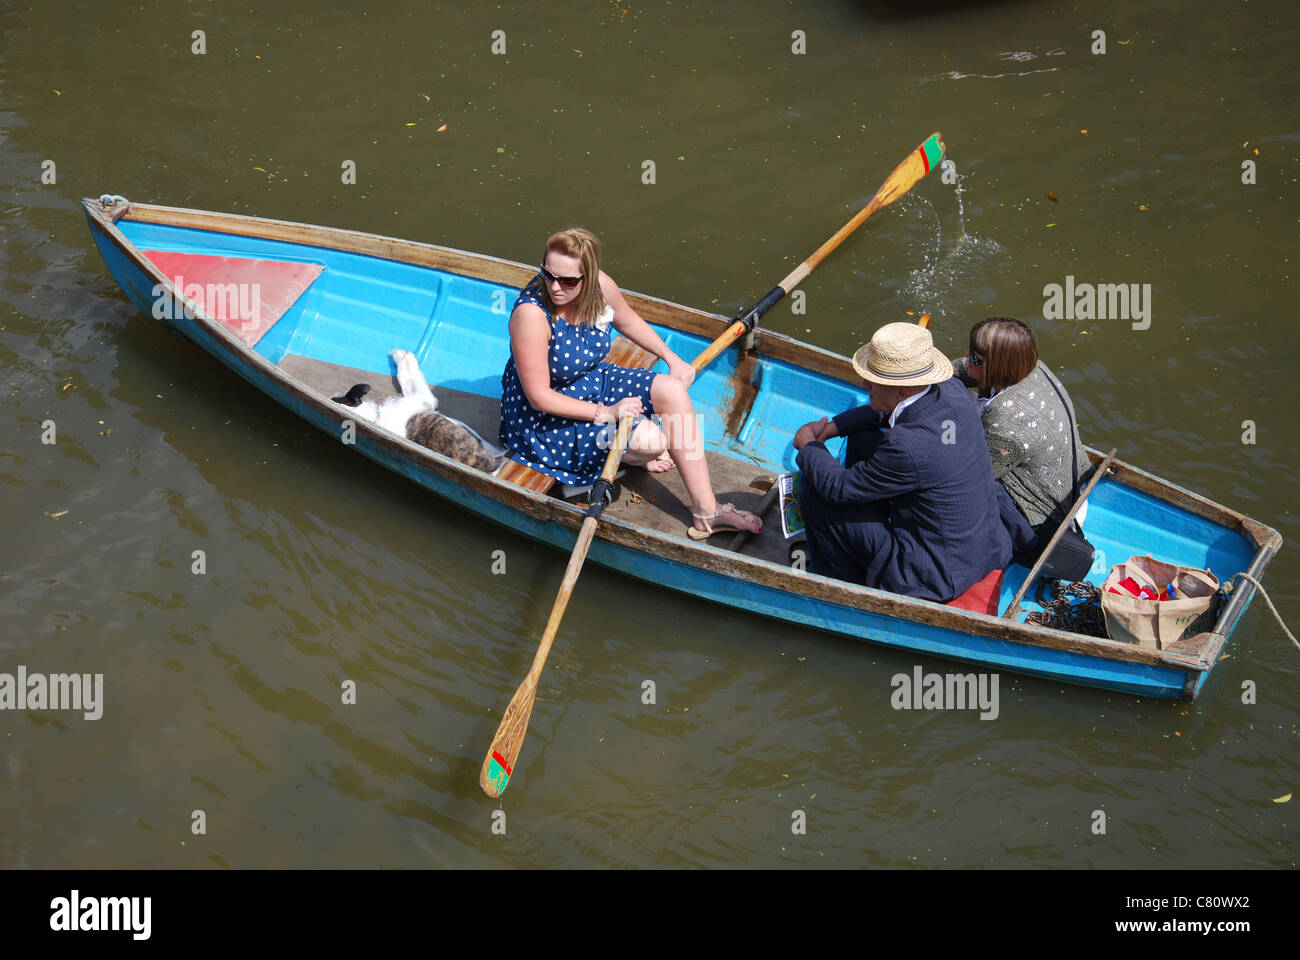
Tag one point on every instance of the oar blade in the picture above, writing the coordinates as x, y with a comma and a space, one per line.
905, 176
501, 757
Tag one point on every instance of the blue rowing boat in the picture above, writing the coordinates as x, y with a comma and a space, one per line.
304, 312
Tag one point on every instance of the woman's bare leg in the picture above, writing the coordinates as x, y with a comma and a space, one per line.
686, 444
646, 444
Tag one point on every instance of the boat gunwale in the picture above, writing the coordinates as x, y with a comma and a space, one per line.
700, 555
779, 346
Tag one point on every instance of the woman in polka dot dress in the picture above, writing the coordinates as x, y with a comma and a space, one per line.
558, 395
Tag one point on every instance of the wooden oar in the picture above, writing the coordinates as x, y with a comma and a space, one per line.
504, 752
918, 163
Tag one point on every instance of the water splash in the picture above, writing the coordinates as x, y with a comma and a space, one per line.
955, 281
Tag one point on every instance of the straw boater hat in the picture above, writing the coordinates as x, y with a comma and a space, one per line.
902, 355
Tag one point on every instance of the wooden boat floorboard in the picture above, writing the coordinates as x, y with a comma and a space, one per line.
653, 501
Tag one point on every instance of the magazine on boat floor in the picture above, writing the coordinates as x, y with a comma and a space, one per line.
791, 518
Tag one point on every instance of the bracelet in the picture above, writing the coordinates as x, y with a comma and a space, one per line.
595, 418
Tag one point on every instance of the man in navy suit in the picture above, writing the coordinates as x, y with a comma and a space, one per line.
915, 510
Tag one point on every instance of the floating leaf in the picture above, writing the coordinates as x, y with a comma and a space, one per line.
1051, 196
55, 516
1083, 131
259, 170
1285, 799
410, 124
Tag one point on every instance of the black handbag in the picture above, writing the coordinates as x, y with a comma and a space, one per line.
1071, 558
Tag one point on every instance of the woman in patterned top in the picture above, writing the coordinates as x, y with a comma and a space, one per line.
559, 397
1033, 439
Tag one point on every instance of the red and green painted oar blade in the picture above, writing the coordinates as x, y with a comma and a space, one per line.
501, 757
918, 163
905, 176
493, 780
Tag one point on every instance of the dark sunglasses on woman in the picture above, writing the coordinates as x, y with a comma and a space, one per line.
568, 283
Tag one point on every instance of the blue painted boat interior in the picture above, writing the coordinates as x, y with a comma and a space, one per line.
360, 308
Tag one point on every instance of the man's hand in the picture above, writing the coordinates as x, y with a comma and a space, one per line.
820, 430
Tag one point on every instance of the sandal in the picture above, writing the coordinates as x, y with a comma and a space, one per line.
727, 511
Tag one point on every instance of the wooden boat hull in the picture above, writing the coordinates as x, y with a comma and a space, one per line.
789, 383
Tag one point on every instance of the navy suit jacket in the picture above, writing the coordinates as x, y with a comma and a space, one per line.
951, 523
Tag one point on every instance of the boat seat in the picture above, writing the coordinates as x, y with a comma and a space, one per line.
983, 597
623, 353
526, 477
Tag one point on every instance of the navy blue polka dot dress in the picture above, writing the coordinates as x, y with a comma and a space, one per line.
558, 446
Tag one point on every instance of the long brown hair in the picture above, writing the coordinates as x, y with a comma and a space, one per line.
1008, 347
581, 243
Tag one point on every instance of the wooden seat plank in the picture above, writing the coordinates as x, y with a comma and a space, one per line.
526, 477
625, 353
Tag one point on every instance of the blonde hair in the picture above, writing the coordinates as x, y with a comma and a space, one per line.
581, 243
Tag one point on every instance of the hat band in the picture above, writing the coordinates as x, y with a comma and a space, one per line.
899, 376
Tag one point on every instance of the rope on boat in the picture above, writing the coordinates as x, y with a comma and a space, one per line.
1277, 616
111, 199
1075, 607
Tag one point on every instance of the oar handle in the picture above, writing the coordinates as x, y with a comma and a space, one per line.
602, 491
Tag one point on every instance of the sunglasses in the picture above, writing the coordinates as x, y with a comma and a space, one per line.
975, 359
568, 283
